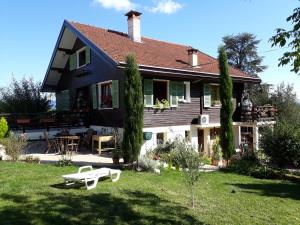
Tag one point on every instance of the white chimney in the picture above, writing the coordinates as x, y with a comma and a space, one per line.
193, 57
134, 25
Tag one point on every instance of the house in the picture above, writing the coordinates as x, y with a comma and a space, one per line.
86, 72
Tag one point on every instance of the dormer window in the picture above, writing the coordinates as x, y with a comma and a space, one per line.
80, 58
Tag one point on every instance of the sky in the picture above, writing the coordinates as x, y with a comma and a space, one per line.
29, 28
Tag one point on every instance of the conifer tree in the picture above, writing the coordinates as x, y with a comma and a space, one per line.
134, 111
226, 132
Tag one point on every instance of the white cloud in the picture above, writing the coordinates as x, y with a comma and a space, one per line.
165, 6
119, 5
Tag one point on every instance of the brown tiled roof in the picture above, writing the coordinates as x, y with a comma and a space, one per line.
150, 52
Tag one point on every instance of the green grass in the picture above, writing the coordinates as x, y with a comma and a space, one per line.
34, 194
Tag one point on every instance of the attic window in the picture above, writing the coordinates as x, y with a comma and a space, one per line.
81, 58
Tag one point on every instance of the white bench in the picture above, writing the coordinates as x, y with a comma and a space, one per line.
91, 176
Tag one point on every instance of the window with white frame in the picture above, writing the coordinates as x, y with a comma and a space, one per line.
186, 97
108, 94
81, 58
215, 95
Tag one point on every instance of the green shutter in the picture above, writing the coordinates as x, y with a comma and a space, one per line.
173, 93
180, 90
63, 100
206, 96
115, 94
73, 62
94, 96
88, 55
148, 92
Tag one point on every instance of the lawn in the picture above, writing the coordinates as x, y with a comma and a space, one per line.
34, 194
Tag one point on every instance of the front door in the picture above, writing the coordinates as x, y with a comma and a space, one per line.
200, 140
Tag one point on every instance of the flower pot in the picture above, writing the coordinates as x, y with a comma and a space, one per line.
116, 160
215, 162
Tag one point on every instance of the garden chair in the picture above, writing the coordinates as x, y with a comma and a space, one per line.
90, 178
51, 144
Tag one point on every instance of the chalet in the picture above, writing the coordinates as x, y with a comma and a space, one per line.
180, 84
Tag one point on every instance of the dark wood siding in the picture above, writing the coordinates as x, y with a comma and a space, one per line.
97, 71
187, 113
184, 114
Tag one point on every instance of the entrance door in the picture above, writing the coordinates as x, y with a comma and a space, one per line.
200, 140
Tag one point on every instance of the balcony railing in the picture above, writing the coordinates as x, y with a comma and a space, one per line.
48, 120
259, 114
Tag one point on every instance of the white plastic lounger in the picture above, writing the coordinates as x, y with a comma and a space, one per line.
91, 176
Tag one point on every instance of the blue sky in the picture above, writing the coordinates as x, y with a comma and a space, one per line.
29, 29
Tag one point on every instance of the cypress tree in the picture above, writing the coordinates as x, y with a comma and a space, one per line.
134, 111
226, 132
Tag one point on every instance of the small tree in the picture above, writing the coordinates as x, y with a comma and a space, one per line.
14, 146
134, 111
190, 162
3, 127
226, 132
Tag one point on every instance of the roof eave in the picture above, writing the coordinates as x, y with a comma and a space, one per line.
191, 73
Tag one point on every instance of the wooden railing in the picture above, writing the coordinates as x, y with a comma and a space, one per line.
259, 114
48, 120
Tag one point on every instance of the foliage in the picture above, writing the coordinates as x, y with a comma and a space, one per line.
241, 51
217, 151
133, 118
289, 38
23, 97
63, 162
226, 131
205, 159
146, 163
3, 127
117, 153
31, 159
253, 168
285, 100
14, 146
259, 94
282, 144
185, 156
164, 148
165, 103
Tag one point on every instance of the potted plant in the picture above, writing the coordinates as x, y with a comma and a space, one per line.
158, 104
217, 152
116, 155
165, 103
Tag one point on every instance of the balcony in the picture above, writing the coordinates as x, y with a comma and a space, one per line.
258, 113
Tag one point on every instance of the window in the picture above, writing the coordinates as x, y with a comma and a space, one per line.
81, 58
186, 93
160, 90
211, 95
187, 135
106, 95
215, 95
160, 138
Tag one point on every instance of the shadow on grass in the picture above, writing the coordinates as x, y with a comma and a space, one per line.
282, 190
96, 208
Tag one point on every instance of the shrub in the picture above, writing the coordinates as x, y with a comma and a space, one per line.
217, 151
3, 127
64, 162
146, 163
282, 144
14, 146
205, 159
31, 159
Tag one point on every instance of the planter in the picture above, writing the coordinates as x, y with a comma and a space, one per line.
116, 160
215, 162
147, 136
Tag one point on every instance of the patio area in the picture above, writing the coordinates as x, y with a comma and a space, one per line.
84, 156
